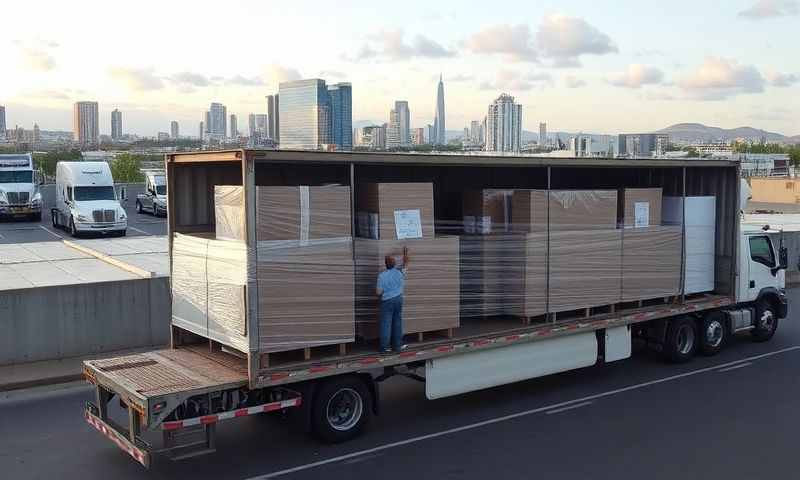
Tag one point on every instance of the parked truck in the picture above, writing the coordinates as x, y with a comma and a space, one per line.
86, 201
19, 187
182, 392
154, 198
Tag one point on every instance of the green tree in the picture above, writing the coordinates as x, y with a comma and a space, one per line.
693, 153
126, 168
46, 162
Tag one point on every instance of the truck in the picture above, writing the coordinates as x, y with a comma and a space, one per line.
180, 394
86, 201
154, 198
19, 187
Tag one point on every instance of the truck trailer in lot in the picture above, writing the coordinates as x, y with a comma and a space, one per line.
727, 280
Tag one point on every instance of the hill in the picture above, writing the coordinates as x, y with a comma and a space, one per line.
697, 132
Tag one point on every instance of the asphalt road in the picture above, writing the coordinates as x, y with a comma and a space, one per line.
730, 416
24, 231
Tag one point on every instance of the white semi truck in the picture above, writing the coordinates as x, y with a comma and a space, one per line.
19, 187
86, 201
182, 392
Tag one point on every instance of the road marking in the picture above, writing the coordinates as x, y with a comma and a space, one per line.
137, 230
741, 365
50, 231
513, 416
571, 407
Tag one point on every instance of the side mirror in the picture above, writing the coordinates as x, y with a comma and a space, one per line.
783, 258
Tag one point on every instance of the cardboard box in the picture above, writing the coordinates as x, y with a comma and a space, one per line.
390, 199
431, 297
302, 213
487, 211
569, 210
305, 294
640, 207
651, 262
526, 276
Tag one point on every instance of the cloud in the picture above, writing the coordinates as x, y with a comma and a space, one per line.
511, 81
574, 82
332, 73
36, 54
392, 46
513, 41
658, 96
241, 81
190, 79
637, 75
777, 79
458, 78
564, 39
719, 78
275, 74
139, 80
771, 8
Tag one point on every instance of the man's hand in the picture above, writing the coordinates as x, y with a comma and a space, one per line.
406, 258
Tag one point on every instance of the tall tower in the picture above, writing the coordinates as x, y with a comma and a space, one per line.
85, 126
116, 124
341, 99
542, 133
2, 121
273, 118
438, 123
234, 126
174, 130
503, 125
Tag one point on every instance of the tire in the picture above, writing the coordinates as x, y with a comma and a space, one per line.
713, 334
72, 230
54, 218
680, 343
766, 322
341, 409
122, 233
37, 217
139, 209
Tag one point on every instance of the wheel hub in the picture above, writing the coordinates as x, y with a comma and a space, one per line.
685, 339
345, 409
714, 333
766, 320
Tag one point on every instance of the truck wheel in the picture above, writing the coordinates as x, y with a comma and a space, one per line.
37, 217
341, 409
713, 334
681, 340
54, 218
72, 230
766, 322
138, 207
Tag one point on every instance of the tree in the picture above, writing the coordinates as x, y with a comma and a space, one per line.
46, 162
693, 153
126, 168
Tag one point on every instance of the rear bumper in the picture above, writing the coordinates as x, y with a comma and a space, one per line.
118, 438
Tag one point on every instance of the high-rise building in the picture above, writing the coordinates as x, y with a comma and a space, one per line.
273, 117
174, 130
2, 122
542, 133
37, 134
202, 133
262, 124
251, 124
431, 132
504, 125
217, 128
642, 144
305, 114
418, 136
234, 126
399, 131
85, 123
116, 124
475, 136
207, 123
341, 100
162, 136
438, 122
371, 136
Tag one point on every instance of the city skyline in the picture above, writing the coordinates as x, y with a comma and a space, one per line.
556, 58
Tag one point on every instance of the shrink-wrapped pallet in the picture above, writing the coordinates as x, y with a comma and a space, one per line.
640, 207
487, 211
651, 262
379, 206
302, 213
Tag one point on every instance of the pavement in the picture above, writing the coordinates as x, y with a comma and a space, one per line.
730, 416
24, 231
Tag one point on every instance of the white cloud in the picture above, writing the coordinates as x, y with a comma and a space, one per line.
242, 81
718, 78
457, 78
392, 46
275, 74
36, 54
777, 79
771, 8
140, 80
572, 81
511, 81
565, 39
190, 79
513, 41
637, 75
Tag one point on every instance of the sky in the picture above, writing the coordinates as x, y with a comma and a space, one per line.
579, 65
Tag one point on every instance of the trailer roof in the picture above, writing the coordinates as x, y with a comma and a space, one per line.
484, 159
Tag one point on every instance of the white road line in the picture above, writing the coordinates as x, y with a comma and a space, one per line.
741, 365
1, 235
50, 231
473, 426
565, 409
137, 230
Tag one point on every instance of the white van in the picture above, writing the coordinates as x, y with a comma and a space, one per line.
86, 200
19, 187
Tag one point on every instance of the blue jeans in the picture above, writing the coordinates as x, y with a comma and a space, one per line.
391, 324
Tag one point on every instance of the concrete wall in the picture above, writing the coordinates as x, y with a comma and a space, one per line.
775, 190
132, 189
75, 320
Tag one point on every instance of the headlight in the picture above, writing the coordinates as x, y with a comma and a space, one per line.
37, 199
3, 199
82, 218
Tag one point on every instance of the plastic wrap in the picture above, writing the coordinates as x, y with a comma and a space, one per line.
651, 262
699, 265
302, 213
228, 212
380, 203
640, 207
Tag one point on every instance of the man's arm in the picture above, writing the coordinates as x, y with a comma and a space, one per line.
379, 288
406, 258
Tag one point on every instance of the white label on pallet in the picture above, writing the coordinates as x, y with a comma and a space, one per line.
407, 224
641, 214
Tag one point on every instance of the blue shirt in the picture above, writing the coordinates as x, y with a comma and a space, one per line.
391, 281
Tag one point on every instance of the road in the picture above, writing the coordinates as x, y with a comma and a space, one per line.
730, 416
24, 231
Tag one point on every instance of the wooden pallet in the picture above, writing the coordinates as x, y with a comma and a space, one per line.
433, 334
304, 354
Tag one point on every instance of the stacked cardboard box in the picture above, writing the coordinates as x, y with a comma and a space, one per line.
651, 262
640, 207
298, 213
699, 261
487, 211
431, 296
377, 205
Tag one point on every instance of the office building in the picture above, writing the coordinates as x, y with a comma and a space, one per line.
2, 122
372, 137
642, 144
174, 130
85, 123
217, 126
163, 136
202, 133
399, 132
207, 123
251, 124
262, 125
234, 126
438, 122
305, 115
116, 125
475, 132
542, 133
273, 118
503, 125
431, 132
341, 105
418, 136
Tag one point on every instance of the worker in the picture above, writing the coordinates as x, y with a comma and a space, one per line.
390, 290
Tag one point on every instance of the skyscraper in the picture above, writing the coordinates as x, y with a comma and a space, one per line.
305, 114
207, 123
399, 132
2, 122
273, 117
85, 123
418, 136
503, 125
251, 124
234, 126
116, 124
217, 127
431, 132
475, 135
174, 130
202, 132
542, 133
438, 122
341, 99
261, 124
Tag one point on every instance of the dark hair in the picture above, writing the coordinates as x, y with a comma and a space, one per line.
389, 261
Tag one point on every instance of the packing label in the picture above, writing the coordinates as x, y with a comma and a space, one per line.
641, 214
408, 224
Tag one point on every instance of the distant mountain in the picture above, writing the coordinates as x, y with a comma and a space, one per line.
697, 132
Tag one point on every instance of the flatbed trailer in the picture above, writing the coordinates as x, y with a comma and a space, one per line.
197, 383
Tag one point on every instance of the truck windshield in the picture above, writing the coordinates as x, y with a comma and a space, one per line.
16, 176
161, 189
94, 193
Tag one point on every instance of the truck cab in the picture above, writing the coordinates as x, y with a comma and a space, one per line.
19, 187
154, 198
86, 200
